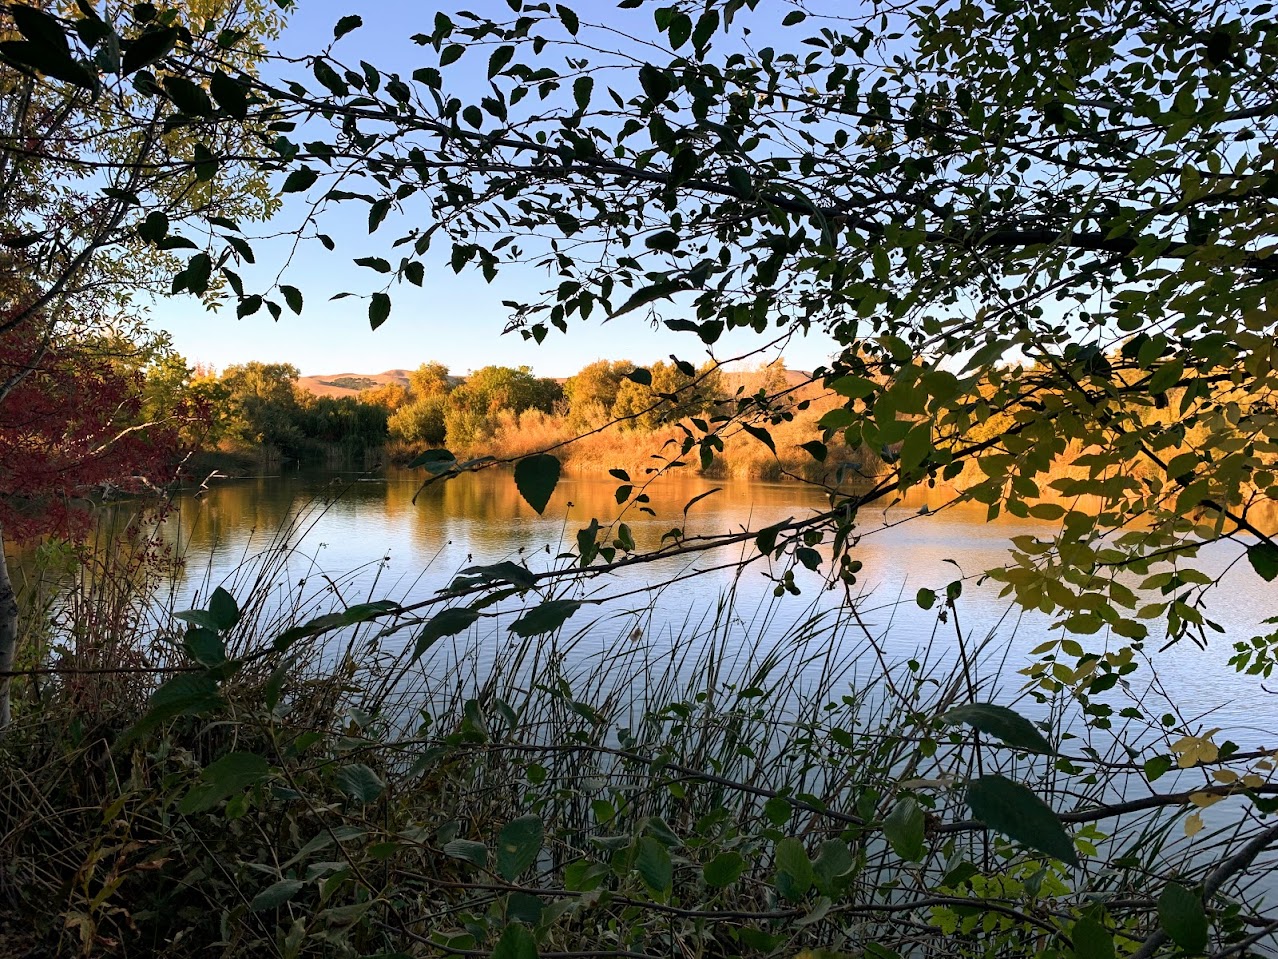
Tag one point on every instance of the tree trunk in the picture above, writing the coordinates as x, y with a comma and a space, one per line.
8, 635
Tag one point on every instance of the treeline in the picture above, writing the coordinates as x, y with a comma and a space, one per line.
261, 409
432, 409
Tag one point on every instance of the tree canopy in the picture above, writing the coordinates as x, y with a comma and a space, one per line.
1060, 217
1056, 218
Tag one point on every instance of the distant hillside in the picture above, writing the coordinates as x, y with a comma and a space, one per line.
350, 384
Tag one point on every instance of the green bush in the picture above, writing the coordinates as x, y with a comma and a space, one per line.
421, 420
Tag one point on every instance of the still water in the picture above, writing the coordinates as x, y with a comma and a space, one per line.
355, 538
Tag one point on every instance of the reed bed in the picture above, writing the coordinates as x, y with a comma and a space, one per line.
747, 780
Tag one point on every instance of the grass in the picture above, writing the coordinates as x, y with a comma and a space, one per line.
594, 448
741, 781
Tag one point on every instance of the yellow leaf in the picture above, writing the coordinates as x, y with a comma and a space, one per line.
1252, 781
1193, 825
1192, 750
1203, 800
1225, 776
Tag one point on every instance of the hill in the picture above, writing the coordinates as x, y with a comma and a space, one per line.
350, 384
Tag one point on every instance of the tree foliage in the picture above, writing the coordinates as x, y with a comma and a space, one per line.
1073, 247
1079, 248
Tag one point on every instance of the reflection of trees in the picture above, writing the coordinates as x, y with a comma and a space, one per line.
230, 514
484, 518
486, 513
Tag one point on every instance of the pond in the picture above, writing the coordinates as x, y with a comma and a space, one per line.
366, 537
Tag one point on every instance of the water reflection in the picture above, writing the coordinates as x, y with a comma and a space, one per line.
407, 550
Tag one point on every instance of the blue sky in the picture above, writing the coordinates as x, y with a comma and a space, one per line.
455, 320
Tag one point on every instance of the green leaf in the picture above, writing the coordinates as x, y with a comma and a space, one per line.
504, 571
1091, 940
275, 895
652, 862
359, 782
312, 627
762, 435
275, 683
643, 378
199, 617
497, 62
816, 449
518, 845
1165, 377
147, 49
739, 179
582, 88
854, 387
1264, 560
40, 27
206, 165
450, 622
299, 180
699, 497
523, 907
188, 96
204, 646
1002, 723
1181, 914
832, 866
293, 297
378, 310
568, 19
41, 58
248, 306
1157, 766
363, 612
724, 869
666, 241
707, 24
224, 610
655, 83
926, 598
904, 828
329, 78
198, 272
376, 214
536, 478
516, 942
793, 17
346, 25
545, 618
917, 446
657, 291
1013, 810
766, 539
229, 95
472, 852
222, 779
794, 870
680, 30
155, 227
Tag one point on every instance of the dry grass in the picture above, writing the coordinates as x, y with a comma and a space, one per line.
619, 446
